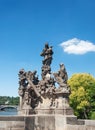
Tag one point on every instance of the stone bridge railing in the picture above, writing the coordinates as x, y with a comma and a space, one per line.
44, 122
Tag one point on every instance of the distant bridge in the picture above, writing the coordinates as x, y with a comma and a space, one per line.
8, 107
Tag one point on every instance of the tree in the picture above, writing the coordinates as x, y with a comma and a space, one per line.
82, 97
6, 100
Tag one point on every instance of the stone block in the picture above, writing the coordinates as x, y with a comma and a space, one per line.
90, 122
90, 128
40, 122
17, 129
75, 127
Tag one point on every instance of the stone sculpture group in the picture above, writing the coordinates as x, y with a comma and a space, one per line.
43, 96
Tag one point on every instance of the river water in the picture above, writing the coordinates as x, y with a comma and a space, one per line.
8, 112
3, 113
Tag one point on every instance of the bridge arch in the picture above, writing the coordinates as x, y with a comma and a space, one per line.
8, 108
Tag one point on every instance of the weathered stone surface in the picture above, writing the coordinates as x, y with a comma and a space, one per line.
40, 123
12, 122
11, 118
68, 111
46, 122
76, 127
7, 125
90, 122
17, 129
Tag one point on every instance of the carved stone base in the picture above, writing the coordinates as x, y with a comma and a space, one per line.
51, 122
68, 111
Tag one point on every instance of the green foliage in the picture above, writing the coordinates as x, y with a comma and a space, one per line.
92, 115
9, 100
82, 97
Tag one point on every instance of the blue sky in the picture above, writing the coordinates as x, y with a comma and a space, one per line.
26, 25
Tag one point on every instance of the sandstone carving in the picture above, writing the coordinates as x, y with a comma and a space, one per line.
40, 96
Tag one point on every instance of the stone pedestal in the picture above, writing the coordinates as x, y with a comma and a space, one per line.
64, 112
50, 122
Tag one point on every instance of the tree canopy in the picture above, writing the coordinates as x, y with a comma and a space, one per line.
82, 97
7, 100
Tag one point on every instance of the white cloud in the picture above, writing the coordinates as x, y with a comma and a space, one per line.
77, 46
